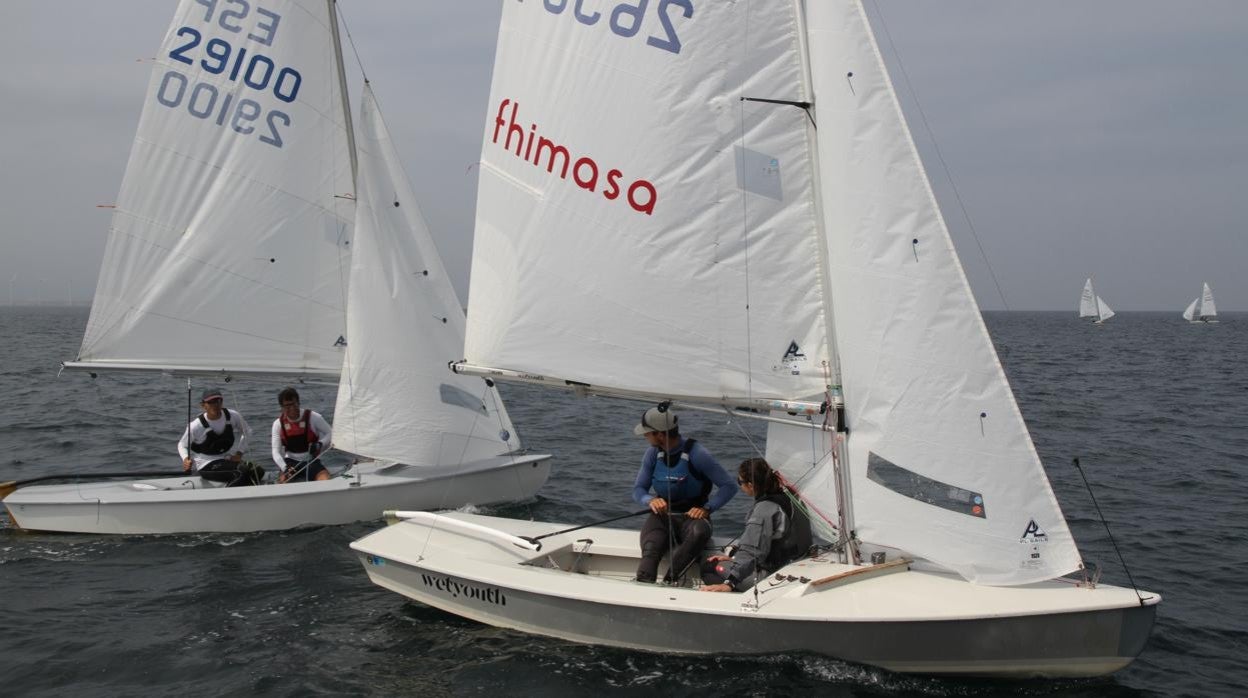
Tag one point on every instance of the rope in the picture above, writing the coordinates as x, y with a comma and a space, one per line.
940, 156
350, 40
1111, 535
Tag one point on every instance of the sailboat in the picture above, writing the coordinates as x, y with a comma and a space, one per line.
1202, 310
1093, 306
253, 237
737, 196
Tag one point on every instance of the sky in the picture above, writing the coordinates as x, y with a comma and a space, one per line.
1063, 139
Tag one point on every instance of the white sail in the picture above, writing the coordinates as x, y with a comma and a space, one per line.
659, 234
1190, 313
1088, 301
229, 245
1104, 312
941, 462
396, 398
1207, 308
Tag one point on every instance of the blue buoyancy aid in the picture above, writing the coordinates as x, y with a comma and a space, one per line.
679, 482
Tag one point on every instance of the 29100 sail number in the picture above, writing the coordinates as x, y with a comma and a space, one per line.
204, 100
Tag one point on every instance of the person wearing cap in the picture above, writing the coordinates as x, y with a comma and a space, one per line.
214, 443
682, 475
298, 438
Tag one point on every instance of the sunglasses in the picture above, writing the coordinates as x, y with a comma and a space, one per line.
290, 404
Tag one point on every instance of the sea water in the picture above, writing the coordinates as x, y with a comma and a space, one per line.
1154, 408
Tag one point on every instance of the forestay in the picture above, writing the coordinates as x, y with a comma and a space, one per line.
941, 463
229, 245
639, 225
396, 399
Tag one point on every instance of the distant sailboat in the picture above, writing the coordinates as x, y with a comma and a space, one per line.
1202, 309
1093, 306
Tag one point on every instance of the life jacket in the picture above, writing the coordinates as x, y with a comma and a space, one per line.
681, 484
215, 444
298, 435
797, 538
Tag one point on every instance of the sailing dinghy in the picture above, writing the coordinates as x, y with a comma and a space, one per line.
240, 220
1202, 310
1093, 306
734, 191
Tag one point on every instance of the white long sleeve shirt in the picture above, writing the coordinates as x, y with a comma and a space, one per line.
242, 432
324, 435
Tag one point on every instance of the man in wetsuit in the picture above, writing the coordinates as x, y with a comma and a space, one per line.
214, 443
682, 474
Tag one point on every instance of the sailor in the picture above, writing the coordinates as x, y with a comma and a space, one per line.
217, 441
298, 438
682, 474
776, 533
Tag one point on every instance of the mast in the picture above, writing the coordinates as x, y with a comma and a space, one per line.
845, 500
342, 87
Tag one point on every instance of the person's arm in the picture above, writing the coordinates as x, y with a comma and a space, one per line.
755, 543
725, 485
275, 443
324, 433
645, 475
184, 449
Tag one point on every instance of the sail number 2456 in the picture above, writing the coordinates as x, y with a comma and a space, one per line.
625, 18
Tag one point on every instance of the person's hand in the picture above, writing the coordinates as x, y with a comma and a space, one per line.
236, 457
186, 464
716, 587
698, 513
281, 477
658, 505
717, 558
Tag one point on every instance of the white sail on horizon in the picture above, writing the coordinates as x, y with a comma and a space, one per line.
1092, 305
1202, 309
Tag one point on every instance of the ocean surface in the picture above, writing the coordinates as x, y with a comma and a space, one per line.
1156, 410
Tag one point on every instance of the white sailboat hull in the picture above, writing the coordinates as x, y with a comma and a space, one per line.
190, 505
898, 619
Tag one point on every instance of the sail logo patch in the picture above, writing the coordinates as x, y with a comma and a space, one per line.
792, 356
1033, 533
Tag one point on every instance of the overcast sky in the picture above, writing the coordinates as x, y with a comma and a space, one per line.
1105, 137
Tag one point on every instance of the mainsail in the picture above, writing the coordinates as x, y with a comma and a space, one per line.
723, 246
396, 399
640, 222
230, 242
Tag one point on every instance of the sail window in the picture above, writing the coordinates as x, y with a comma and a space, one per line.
459, 397
915, 486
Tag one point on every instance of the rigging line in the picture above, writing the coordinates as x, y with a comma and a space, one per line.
957, 195
1105, 523
499, 411
350, 40
745, 229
